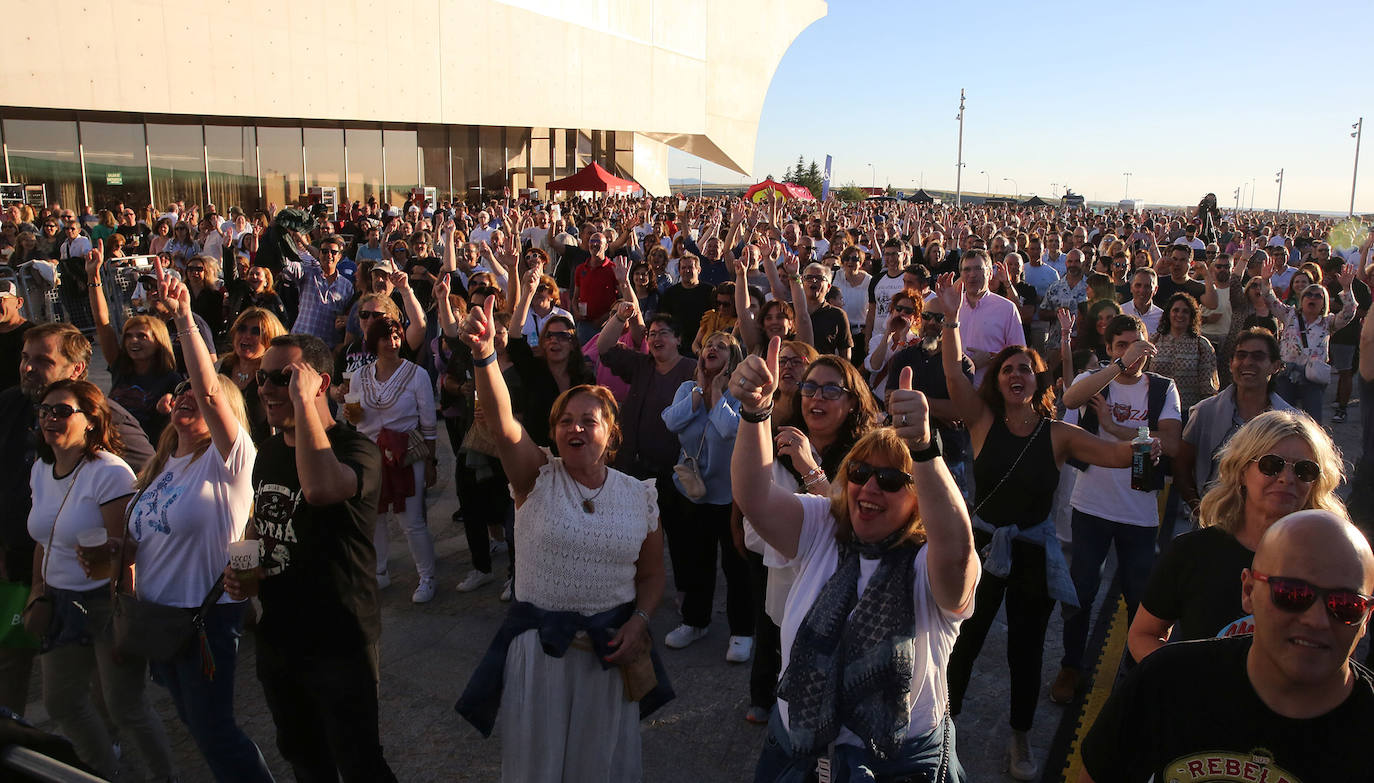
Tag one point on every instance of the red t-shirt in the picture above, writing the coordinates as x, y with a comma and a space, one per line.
596, 288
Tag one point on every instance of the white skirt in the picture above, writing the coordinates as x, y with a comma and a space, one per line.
565, 719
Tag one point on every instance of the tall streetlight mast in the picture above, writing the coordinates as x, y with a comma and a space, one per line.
1278, 205
1355, 175
1127, 175
959, 167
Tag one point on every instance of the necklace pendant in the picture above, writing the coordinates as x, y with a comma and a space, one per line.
588, 506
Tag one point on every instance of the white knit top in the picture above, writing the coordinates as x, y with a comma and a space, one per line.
569, 560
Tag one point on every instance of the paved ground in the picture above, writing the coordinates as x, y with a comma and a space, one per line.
429, 651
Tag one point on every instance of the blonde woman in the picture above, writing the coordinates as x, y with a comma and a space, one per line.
249, 337
207, 298
193, 500
1278, 463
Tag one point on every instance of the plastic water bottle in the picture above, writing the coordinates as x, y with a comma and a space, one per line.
1142, 467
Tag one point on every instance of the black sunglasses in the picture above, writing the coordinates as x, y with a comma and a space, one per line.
904, 309
280, 378
61, 411
830, 391
1305, 470
813, 278
252, 329
936, 317
363, 315
564, 336
180, 389
889, 479
1296, 596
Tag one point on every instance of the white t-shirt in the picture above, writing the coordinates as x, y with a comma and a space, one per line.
880, 296
935, 632
1151, 315
98, 481
1194, 243
185, 520
855, 298
1106, 492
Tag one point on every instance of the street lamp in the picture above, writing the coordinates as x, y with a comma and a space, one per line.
1127, 175
1244, 188
698, 168
874, 172
959, 163
1014, 186
1354, 177
1054, 188
1278, 205
987, 189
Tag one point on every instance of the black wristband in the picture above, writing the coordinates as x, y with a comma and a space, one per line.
757, 417
931, 451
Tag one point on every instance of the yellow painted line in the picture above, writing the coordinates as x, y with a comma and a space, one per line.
1107, 664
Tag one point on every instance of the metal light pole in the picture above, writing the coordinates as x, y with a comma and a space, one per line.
987, 188
1355, 176
1127, 175
698, 168
1278, 205
1014, 186
1054, 188
1237, 195
873, 184
1244, 186
959, 165
1252, 194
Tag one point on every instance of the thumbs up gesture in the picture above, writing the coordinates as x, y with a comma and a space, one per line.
909, 414
755, 379
478, 329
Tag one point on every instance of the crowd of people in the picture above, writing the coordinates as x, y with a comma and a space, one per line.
879, 421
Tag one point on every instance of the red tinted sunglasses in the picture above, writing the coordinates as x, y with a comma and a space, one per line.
1296, 596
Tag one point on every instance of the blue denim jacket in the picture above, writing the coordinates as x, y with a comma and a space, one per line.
713, 432
481, 698
997, 555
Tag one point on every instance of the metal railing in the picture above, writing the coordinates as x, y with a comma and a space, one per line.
48, 298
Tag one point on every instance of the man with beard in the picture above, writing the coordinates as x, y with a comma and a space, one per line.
51, 352
1216, 321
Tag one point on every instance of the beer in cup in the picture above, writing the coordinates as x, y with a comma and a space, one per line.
93, 545
353, 407
243, 558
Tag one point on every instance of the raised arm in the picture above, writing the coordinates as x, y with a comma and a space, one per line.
324, 479
751, 331
1078, 395
520, 456
443, 308
200, 368
415, 330
775, 513
100, 311
968, 406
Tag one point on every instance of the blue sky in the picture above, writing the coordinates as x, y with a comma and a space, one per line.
1189, 97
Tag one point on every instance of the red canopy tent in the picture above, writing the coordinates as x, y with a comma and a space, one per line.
596, 179
770, 188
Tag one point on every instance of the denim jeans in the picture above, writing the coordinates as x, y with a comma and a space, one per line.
206, 704
916, 761
1294, 387
1135, 554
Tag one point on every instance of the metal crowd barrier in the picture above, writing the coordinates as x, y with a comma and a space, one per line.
34, 766
67, 302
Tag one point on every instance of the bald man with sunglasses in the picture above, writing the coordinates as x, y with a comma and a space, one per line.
1284, 704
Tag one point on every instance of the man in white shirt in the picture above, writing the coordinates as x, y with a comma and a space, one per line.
1106, 509
1144, 283
1190, 238
74, 243
484, 228
1053, 258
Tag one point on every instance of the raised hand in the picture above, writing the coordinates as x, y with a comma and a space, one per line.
1066, 319
478, 329
756, 379
1138, 352
1346, 276
910, 413
793, 443
94, 260
174, 295
442, 286
305, 382
399, 280
622, 269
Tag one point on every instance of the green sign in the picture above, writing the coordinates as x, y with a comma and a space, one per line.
114, 178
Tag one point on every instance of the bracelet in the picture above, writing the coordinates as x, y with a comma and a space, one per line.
485, 360
813, 474
187, 332
756, 417
642, 613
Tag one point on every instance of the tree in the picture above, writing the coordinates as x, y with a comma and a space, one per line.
850, 192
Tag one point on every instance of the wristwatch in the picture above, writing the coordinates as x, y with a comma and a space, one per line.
931, 451
1120, 364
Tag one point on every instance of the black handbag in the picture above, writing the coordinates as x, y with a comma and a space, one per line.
158, 632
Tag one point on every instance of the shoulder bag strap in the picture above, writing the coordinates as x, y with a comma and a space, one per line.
47, 550
1012, 469
216, 589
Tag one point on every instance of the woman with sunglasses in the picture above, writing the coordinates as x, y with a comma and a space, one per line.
79, 484
902, 330
1019, 449
882, 576
1306, 337
194, 498
1278, 463
395, 401
249, 337
183, 242
207, 298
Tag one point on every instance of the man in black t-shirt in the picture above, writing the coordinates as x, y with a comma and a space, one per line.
1180, 260
829, 324
315, 490
1284, 704
135, 234
687, 300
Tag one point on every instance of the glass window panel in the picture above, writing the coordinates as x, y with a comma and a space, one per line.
233, 167
493, 162
402, 169
364, 164
518, 158
463, 140
279, 155
584, 149
44, 152
177, 153
324, 157
116, 164
434, 160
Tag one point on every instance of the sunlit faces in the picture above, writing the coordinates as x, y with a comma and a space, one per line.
139, 343
715, 354
1180, 317
41, 362
974, 271
582, 432
826, 417
791, 367
1284, 492
248, 340
817, 281
557, 341
874, 512
1016, 380
1313, 302
276, 399
663, 341
1252, 365
1120, 344
63, 422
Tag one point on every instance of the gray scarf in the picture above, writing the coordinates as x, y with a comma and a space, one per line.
854, 670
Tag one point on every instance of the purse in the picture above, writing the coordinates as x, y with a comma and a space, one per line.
154, 631
37, 615
1316, 370
689, 474
416, 448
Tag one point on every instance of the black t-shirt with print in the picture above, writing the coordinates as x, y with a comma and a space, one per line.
1196, 584
830, 328
11, 346
1189, 713
139, 394
319, 592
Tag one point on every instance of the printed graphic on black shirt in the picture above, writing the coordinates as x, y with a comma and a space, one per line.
274, 507
1257, 766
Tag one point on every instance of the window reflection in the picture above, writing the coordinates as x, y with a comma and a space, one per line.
177, 155
434, 160
402, 170
493, 162
44, 152
116, 164
364, 164
233, 166
279, 156
324, 158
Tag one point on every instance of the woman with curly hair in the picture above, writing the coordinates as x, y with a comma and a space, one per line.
1184, 354
1019, 448
1278, 463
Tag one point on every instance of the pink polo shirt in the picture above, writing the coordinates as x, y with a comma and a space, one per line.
990, 326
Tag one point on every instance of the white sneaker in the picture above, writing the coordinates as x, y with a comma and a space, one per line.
508, 590
474, 580
499, 547
683, 635
1020, 763
424, 593
741, 647
383, 580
